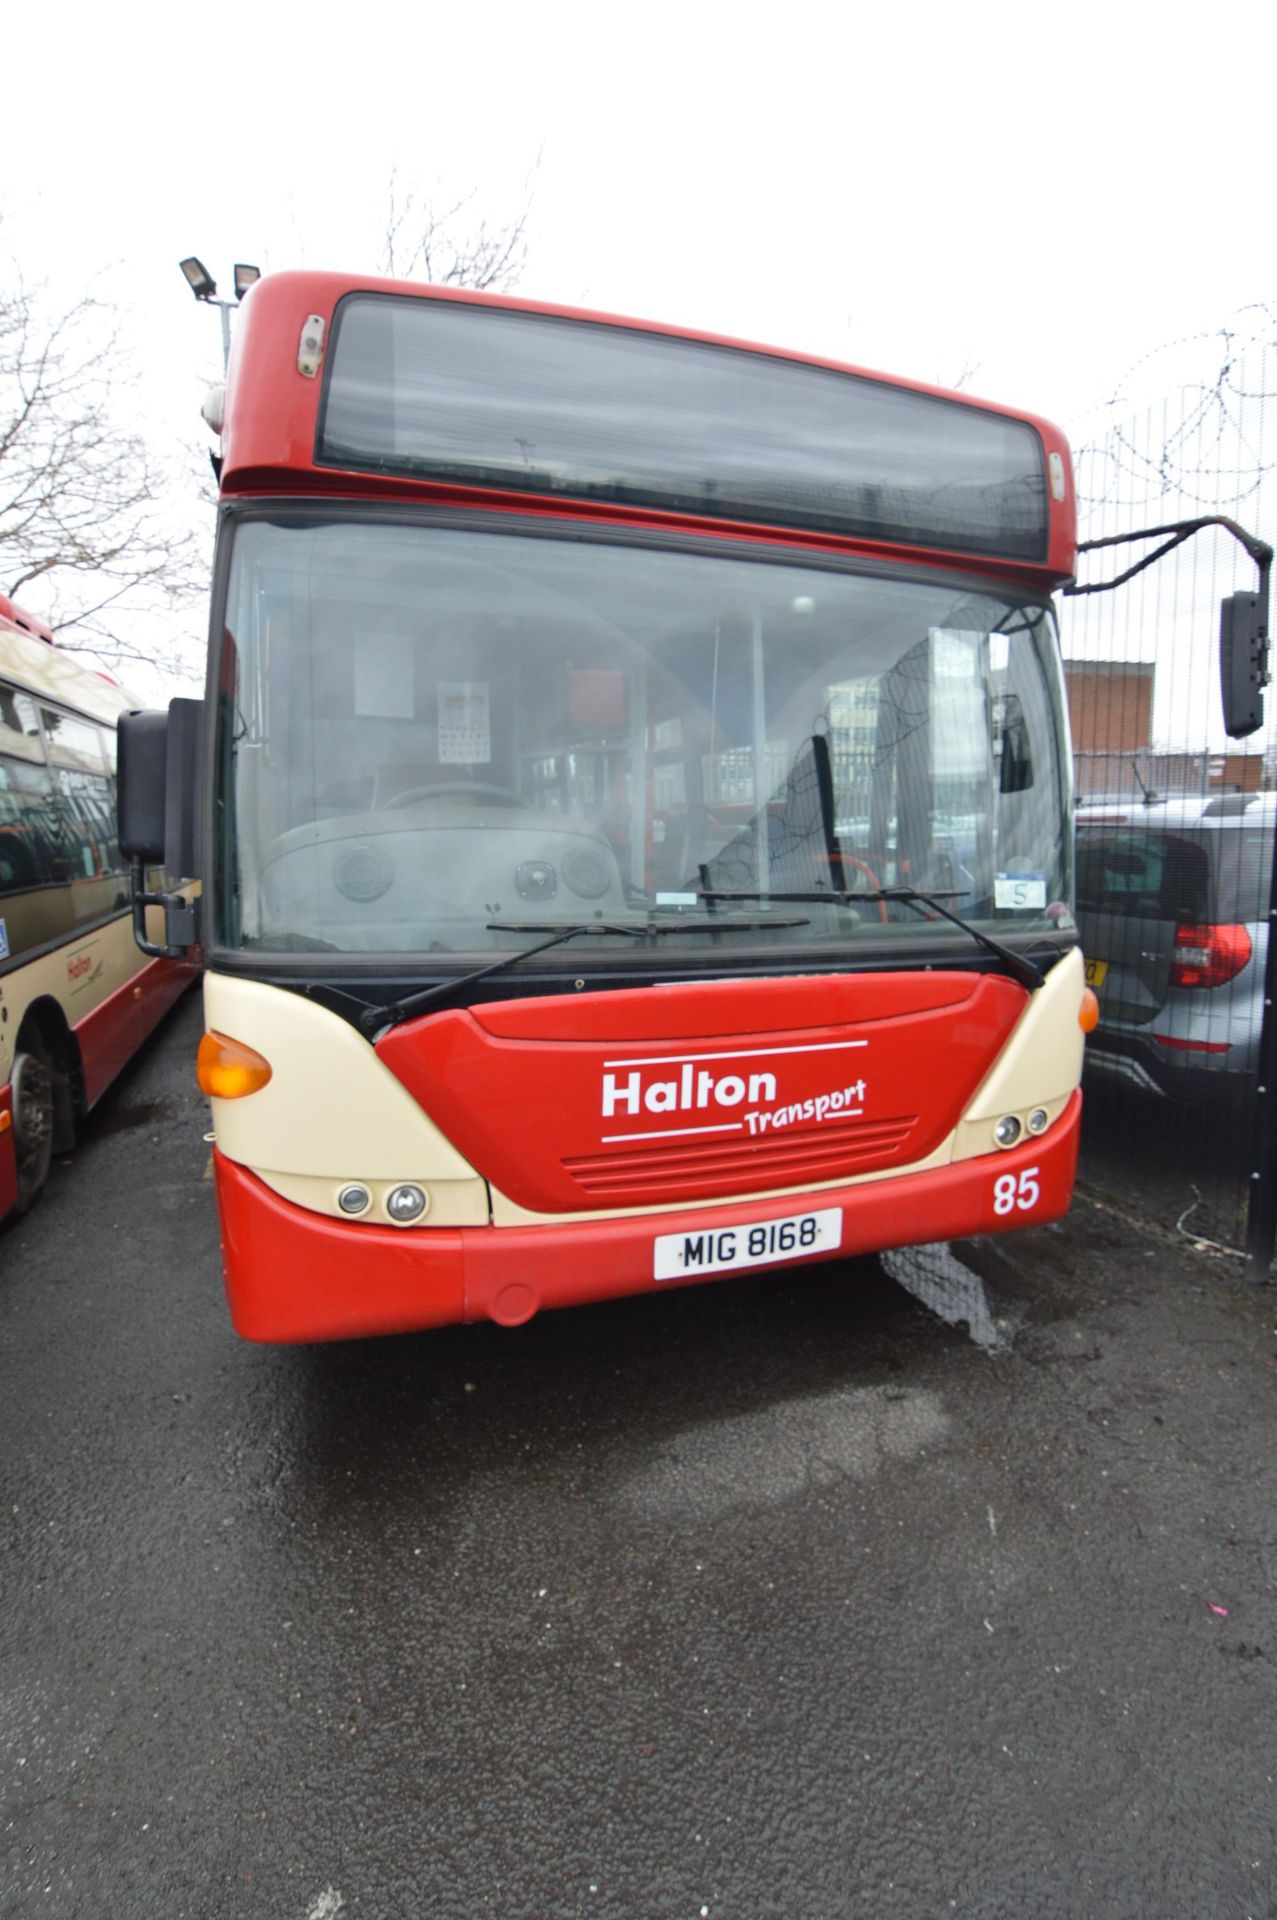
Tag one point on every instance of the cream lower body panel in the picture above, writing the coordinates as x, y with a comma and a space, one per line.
317, 1134
86, 969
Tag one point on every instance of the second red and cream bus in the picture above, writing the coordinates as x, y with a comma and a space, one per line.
635, 812
75, 1001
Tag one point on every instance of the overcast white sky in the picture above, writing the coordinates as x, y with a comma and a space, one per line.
1044, 193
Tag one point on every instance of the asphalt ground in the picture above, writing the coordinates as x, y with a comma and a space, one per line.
1181, 1165
771, 1600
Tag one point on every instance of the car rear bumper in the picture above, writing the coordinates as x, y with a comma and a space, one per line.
1175, 1071
293, 1275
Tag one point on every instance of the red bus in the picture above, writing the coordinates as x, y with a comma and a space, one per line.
74, 1001
634, 811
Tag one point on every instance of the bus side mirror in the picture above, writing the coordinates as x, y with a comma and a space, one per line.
1243, 661
158, 787
143, 764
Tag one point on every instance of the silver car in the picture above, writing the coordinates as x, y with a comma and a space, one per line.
1172, 903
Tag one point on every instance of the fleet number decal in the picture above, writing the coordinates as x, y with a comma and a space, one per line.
1017, 1193
724, 1249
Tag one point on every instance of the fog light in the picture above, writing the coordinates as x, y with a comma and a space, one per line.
405, 1203
1038, 1120
354, 1199
1007, 1131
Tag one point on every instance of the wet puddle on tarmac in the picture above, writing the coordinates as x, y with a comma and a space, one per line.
125, 1119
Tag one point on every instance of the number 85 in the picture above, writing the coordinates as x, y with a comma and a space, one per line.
1012, 1194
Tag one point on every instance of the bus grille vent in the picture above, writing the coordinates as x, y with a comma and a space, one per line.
638, 1174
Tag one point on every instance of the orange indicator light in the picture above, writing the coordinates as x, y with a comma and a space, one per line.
228, 1070
1088, 1013
6, 1121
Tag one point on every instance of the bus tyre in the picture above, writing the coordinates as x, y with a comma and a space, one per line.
33, 1117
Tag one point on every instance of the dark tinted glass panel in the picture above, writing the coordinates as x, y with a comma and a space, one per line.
20, 722
70, 741
30, 830
34, 907
27, 828
86, 806
86, 811
1146, 875
485, 397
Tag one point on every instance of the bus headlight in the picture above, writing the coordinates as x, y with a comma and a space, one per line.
405, 1204
1007, 1131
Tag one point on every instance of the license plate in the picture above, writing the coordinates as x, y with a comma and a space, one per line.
680, 1256
1095, 972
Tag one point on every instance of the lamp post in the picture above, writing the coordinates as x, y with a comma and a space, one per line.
204, 287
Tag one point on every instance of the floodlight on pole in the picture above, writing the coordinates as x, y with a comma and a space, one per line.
198, 278
204, 287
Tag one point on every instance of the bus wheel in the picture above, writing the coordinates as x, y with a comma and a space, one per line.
33, 1112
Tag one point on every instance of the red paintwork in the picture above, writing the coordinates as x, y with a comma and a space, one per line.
8, 1159
289, 1272
271, 415
106, 1037
162, 983
17, 620
112, 1033
522, 1088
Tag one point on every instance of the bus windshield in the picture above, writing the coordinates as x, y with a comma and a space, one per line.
439, 739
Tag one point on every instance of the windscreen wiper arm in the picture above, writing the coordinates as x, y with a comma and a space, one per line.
1018, 965
649, 929
383, 1017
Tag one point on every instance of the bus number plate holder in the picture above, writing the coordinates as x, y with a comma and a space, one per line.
760, 1243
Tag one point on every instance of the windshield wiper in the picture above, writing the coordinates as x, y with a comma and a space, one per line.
1018, 965
391, 1016
650, 929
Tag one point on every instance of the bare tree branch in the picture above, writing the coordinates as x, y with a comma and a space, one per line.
439, 240
84, 503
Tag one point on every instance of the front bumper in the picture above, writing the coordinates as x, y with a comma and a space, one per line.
293, 1275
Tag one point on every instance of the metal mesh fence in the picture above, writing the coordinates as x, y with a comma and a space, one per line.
1175, 821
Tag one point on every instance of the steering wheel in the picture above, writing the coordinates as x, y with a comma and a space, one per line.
850, 860
446, 789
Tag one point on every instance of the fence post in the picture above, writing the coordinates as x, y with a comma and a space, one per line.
1261, 1211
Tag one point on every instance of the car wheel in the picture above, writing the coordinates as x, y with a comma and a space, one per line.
32, 1085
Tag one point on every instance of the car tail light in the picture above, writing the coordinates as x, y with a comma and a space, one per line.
1208, 956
